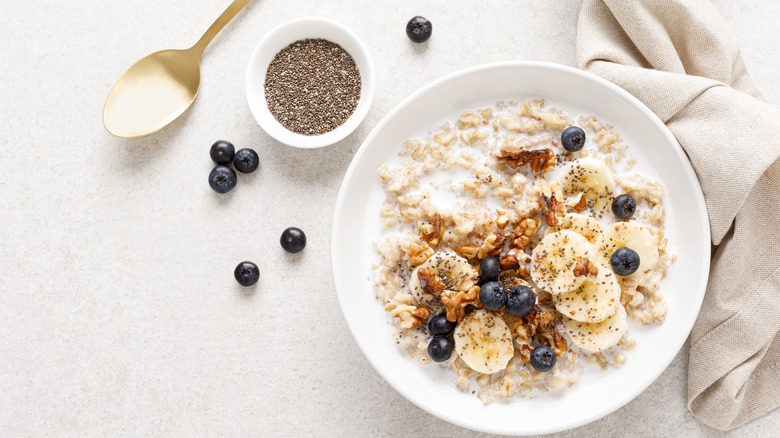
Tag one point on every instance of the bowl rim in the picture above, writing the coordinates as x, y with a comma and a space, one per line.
275, 129
632, 100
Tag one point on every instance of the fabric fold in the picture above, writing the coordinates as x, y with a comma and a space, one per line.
682, 61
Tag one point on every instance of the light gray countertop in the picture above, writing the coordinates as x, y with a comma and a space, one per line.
118, 311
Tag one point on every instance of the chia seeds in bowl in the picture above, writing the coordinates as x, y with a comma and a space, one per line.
312, 86
310, 82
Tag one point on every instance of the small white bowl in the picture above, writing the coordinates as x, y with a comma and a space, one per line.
281, 37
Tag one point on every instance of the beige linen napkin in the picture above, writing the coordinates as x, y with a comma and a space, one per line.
680, 58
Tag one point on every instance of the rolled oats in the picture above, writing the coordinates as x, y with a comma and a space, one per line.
510, 154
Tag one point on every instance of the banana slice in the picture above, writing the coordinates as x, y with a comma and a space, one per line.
592, 177
597, 336
596, 300
484, 342
553, 260
587, 226
632, 235
454, 270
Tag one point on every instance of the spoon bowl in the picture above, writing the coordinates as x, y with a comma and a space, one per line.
160, 87
154, 92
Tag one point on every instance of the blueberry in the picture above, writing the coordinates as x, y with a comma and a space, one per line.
222, 179
489, 269
440, 348
573, 138
246, 274
492, 295
293, 240
439, 325
624, 261
543, 358
624, 206
246, 160
222, 152
419, 29
520, 300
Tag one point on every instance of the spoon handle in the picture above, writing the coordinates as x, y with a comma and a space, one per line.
223, 19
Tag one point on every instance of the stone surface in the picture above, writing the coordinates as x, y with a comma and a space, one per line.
119, 314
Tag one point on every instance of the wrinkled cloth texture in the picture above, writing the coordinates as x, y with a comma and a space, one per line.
681, 59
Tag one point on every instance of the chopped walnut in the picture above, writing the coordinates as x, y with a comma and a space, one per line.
525, 353
553, 208
420, 315
508, 262
585, 268
469, 252
430, 281
455, 302
409, 316
579, 203
524, 232
491, 246
540, 160
502, 220
545, 324
431, 231
418, 254
541, 327
522, 271
517, 261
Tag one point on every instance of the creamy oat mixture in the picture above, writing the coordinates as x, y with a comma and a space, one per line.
545, 214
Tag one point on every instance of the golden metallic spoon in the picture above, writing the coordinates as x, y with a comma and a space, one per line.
157, 89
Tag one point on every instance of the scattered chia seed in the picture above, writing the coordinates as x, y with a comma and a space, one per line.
312, 86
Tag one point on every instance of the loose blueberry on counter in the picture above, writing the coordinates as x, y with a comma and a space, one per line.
489, 270
573, 138
293, 240
419, 29
440, 348
624, 261
222, 179
492, 295
246, 160
543, 358
520, 301
624, 206
439, 325
247, 274
222, 152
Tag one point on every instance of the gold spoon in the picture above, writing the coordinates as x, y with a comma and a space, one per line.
158, 88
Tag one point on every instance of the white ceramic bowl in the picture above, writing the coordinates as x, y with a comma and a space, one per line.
357, 224
286, 34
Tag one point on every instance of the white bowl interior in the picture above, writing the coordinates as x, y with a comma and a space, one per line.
357, 225
286, 34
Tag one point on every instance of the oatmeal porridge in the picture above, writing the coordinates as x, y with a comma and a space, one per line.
551, 244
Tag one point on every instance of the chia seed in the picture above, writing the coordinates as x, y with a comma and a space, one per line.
312, 86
